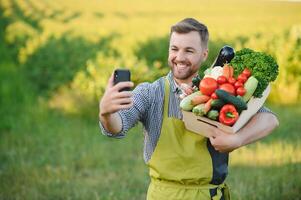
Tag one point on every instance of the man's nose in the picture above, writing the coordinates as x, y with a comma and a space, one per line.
180, 56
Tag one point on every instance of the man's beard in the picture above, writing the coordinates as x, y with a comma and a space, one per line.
182, 74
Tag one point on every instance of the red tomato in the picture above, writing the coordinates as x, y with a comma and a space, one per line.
214, 96
247, 72
232, 80
238, 84
208, 85
242, 77
228, 88
221, 80
241, 91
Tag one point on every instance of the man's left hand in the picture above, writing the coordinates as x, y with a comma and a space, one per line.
224, 142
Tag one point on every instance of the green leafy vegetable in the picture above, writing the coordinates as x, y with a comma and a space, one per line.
263, 66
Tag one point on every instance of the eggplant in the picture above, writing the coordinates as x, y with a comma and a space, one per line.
226, 54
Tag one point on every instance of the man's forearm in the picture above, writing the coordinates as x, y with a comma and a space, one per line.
111, 122
258, 127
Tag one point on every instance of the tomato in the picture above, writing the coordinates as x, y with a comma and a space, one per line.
214, 96
241, 91
247, 72
208, 85
232, 80
221, 80
242, 77
228, 88
238, 84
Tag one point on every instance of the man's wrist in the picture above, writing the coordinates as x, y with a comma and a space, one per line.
241, 137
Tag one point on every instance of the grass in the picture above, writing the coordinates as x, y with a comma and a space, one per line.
49, 155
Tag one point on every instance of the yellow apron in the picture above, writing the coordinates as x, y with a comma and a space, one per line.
181, 166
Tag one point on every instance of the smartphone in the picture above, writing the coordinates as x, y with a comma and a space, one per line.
121, 75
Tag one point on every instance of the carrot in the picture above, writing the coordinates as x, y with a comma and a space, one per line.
199, 99
231, 71
207, 106
226, 71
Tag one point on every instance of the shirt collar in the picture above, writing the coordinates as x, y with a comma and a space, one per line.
175, 88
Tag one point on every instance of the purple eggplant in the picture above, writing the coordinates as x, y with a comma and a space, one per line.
226, 54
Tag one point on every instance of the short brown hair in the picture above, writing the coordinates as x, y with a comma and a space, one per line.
189, 24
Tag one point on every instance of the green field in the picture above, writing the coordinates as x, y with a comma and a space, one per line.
55, 58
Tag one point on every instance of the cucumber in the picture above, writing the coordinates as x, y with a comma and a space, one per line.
250, 86
213, 114
199, 110
217, 104
185, 104
239, 104
196, 81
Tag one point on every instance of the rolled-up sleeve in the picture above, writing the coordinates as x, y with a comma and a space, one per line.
137, 112
264, 109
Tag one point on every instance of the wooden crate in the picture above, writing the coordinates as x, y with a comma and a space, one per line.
202, 125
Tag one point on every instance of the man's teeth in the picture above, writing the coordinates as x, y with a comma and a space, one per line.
181, 66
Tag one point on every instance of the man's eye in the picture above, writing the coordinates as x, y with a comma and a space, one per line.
189, 51
174, 49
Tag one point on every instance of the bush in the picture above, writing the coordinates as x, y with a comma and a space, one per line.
57, 62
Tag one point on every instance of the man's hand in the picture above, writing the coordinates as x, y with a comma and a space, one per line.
224, 142
113, 100
260, 125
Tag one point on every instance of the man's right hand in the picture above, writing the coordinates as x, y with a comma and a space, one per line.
113, 100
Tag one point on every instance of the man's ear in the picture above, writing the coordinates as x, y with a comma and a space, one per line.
205, 54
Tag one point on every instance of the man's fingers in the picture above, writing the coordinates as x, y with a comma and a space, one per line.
125, 106
212, 139
186, 88
122, 101
123, 94
111, 81
122, 85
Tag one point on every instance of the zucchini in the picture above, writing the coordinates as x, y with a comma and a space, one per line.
185, 104
239, 104
213, 114
217, 104
250, 86
199, 110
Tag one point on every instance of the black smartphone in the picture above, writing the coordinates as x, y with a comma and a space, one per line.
121, 75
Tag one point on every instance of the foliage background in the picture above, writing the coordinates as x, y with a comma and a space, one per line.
56, 57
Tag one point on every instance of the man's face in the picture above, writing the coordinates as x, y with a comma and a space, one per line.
185, 54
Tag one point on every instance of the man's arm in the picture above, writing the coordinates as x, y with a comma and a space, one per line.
261, 125
111, 122
113, 101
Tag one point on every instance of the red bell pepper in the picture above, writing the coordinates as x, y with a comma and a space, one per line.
228, 115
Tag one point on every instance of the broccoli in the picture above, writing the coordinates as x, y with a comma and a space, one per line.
263, 66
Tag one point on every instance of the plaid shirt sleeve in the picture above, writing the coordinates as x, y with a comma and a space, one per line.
264, 109
131, 116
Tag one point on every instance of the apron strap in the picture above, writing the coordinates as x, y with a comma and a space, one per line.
166, 97
220, 190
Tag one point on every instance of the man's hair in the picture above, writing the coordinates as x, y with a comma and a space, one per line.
189, 24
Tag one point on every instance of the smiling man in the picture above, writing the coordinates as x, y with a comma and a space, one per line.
187, 50
182, 165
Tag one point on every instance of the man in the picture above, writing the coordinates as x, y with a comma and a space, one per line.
183, 165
